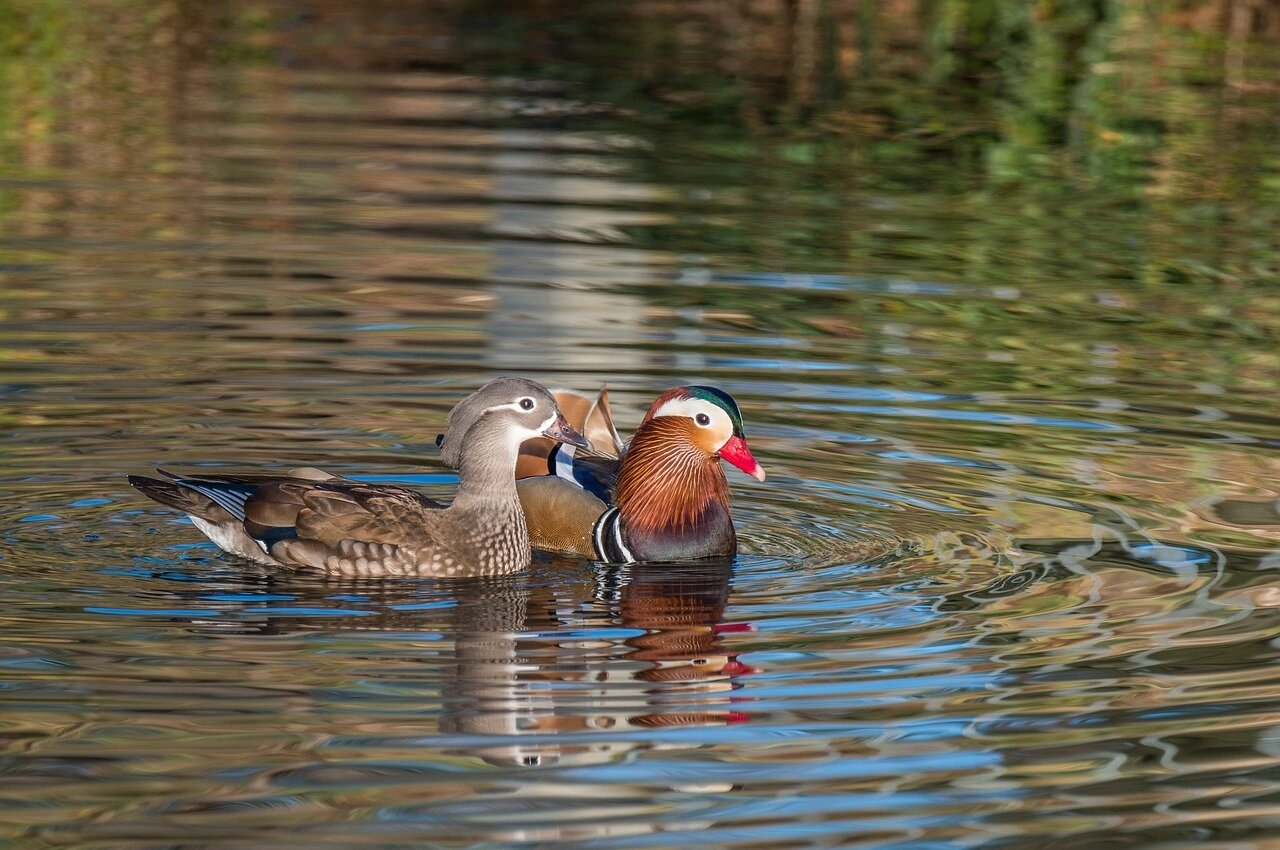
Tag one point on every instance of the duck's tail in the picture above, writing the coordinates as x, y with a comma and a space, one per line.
180, 496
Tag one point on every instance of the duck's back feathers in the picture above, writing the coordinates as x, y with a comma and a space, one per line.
352, 528
325, 522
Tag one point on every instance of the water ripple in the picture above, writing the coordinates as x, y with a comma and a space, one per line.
1011, 581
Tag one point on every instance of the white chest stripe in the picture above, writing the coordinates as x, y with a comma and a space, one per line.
617, 539
597, 534
607, 535
564, 461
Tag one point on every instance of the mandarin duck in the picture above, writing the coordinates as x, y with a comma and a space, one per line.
312, 519
663, 498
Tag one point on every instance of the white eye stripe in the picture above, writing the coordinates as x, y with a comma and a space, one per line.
692, 408
514, 405
718, 421
689, 407
536, 430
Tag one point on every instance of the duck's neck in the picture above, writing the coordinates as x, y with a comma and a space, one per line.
487, 474
669, 487
488, 507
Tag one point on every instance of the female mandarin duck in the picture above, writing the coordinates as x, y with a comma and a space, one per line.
665, 500
312, 519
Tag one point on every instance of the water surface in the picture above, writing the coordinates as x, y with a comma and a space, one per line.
1013, 374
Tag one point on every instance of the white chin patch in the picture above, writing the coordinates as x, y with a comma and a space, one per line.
522, 434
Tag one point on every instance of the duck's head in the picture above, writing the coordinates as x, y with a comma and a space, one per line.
715, 424
505, 411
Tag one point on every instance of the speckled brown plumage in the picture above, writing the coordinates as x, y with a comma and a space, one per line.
351, 528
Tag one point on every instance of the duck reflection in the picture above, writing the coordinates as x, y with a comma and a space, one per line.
530, 676
539, 661
682, 612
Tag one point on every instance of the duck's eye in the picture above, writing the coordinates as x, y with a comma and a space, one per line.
526, 404
702, 419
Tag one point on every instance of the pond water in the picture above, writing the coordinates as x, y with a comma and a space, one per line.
1010, 359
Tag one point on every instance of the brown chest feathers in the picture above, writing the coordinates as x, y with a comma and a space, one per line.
669, 483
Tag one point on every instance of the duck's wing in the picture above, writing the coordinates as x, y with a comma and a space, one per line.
345, 527
313, 473
218, 523
560, 514
594, 469
329, 523
597, 475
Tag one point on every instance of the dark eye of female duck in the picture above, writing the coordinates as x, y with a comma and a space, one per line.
702, 419
526, 404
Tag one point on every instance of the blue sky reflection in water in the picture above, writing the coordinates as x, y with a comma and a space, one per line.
998, 302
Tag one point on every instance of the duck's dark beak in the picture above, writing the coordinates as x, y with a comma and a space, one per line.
562, 433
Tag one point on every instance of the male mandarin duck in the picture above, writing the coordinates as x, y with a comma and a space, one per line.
664, 498
311, 519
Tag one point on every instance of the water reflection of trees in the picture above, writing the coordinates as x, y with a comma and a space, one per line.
977, 116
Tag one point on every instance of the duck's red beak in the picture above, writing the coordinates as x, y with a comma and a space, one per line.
736, 452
